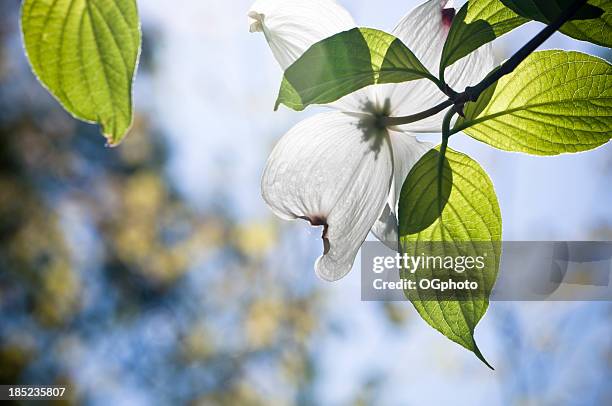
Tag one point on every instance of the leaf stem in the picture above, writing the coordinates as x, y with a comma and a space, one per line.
391, 121
443, 147
472, 93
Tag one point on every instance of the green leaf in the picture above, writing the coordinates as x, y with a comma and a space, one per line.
458, 216
346, 62
85, 52
554, 102
592, 23
477, 23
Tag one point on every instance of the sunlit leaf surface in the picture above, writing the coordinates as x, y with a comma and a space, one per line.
456, 216
554, 102
85, 53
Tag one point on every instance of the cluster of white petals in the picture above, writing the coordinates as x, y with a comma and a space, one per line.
337, 169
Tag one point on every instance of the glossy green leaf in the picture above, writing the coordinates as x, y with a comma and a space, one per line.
477, 23
455, 215
85, 52
592, 23
554, 102
346, 62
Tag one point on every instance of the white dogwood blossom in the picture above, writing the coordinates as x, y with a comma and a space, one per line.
341, 170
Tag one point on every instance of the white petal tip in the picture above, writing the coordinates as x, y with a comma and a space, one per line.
255, 21
327, 274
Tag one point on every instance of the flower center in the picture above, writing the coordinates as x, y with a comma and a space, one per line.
373, 124
379, 122
376, 115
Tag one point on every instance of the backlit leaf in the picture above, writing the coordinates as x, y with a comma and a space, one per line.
592, 23
554, 102
477, 23
457, 216
346, 62
85, 53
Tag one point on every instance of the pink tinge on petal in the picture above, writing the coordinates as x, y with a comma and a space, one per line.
448, 14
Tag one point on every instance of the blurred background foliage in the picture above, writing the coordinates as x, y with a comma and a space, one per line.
114, 283
190, 340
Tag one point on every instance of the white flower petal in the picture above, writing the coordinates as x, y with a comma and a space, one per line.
424, 31
330, 171
292, 26
407, 150
360, 101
